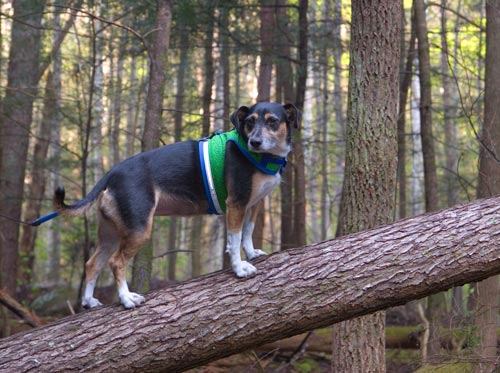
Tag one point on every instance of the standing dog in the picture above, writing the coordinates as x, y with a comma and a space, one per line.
227, 173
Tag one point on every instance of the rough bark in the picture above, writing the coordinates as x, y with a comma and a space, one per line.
294, 291
486, 314
371, 160
435, 305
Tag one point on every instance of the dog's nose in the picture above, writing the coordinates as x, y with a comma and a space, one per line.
255, 143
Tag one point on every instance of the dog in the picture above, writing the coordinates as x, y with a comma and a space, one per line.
226, 173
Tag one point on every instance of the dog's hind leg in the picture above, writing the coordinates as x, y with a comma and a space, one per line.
107, 244
248, 227
129, 245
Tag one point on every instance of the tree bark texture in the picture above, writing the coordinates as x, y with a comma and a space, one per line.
294, 291
486, 315
371, 161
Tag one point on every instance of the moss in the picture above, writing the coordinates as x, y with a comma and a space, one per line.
306, 365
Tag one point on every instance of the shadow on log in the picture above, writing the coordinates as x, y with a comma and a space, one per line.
294, 291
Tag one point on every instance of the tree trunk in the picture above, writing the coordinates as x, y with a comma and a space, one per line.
267, 28
285, 93
141, 270
37, 186
435, 306
338, 108
450, 103
15, 127
179, 109
267, 36
371, 161
208, 68
53, 232
489, 184
294, 291
299, 195
406, 75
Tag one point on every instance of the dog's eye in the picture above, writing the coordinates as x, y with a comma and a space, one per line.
273, 121
250, 122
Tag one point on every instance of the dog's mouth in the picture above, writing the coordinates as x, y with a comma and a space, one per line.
265, 147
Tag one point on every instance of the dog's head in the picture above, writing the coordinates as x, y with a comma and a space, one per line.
267, 126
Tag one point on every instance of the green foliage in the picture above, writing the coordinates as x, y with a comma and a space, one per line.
306, 365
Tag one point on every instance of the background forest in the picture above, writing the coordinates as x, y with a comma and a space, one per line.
77, 81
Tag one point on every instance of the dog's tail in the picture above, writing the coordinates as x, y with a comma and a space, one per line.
79, 207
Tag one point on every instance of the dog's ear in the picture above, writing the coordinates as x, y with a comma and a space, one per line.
293, 114
238, 116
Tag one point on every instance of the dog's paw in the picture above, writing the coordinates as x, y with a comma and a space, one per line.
255, 254
130, 300
244, 269
91, 302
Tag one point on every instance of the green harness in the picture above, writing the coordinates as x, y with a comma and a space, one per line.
212, 154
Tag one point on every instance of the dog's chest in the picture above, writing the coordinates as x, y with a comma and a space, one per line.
262, 185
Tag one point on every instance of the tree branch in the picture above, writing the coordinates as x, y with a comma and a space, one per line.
294, 291
28, 316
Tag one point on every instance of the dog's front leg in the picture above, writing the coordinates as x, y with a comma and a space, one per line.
248, 227
235, 217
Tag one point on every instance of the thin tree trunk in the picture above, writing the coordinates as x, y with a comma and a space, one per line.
53, 232
117, 105
285, 92
299, 196
267, 27
15, 128
406, 74
179, 108
435, 305
450, 101
208, 69
338, 109
97, 103
141, 269
294, 291
371, 161
37, 187
226, 69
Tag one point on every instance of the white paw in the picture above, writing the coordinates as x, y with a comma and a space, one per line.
244, 269
90, 302
130, 300
255, 254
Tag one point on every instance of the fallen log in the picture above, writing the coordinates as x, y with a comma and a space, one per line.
294, 291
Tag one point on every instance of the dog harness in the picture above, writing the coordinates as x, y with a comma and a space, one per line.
212, 154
